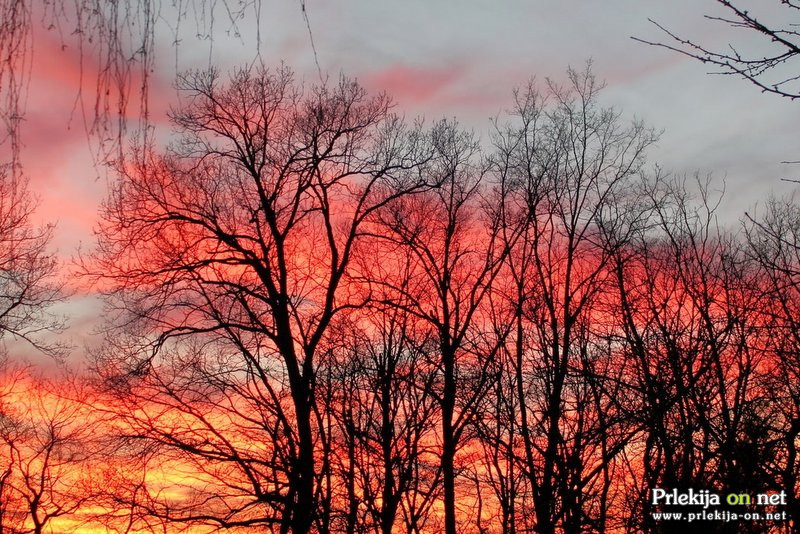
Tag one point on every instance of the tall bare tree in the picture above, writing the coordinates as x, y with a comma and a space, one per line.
230, 256
452, 238
574, 164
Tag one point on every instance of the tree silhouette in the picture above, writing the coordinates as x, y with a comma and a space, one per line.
379, 396
573, 164
772, 240
47, 445
28, 285
323, 319
453, 241
230, 256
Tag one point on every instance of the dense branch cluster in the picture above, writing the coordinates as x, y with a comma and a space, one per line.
324, 319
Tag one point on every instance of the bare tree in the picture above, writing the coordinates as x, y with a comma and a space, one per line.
379, 394
453, 241
47, 439
691, 338
230, 255
499, 480
773, 240
573, 164
27, 269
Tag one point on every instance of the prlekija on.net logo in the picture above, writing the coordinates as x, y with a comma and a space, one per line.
707, 498
709, 502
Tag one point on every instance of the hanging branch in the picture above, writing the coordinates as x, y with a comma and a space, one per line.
776, 72
120, 39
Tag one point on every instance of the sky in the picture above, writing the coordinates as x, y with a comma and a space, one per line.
438, 59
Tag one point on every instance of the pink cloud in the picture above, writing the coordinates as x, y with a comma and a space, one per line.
411, 85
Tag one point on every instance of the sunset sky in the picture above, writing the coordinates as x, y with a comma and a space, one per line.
296, 304
442, 59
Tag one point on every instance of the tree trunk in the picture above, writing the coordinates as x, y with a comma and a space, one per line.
448, 442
